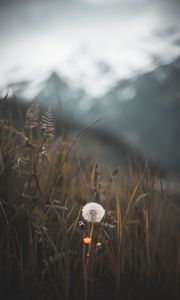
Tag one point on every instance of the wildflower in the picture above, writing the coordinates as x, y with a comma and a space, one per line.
87, 240
99, 249
81, 225
93, 212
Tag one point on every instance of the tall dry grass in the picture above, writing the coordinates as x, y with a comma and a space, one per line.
43, 188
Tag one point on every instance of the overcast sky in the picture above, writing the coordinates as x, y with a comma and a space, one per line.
71, 36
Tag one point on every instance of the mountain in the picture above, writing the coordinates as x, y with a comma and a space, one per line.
55, 89
52, 92
145, 110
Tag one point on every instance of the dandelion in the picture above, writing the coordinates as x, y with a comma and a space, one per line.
99, 249
93, 212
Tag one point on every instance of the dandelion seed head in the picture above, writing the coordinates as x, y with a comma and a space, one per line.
93, 212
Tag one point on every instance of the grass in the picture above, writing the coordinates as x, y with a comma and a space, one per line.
43, 188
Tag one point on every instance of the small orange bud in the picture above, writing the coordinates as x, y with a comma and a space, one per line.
87, 240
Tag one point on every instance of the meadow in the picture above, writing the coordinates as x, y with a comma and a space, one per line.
49, 251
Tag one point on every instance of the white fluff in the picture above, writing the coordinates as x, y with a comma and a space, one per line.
93, 212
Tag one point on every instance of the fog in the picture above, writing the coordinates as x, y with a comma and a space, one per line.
73, 37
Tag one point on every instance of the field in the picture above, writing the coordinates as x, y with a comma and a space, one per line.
132, 253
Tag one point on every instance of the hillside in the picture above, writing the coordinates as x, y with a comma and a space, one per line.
143, 110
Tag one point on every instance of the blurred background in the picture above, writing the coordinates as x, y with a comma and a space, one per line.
88, 59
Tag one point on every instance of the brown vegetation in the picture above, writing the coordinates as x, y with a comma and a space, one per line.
43, 187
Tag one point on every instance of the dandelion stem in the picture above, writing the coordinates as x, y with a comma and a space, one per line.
86, 262
90, 245
85, 273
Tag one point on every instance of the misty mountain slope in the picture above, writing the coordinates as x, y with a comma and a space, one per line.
149, 119
54, 90
144, 110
